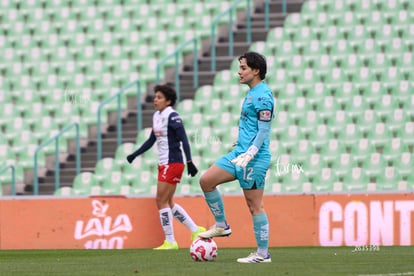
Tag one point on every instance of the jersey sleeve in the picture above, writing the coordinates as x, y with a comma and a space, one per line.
147, 145
176, 123
264, 109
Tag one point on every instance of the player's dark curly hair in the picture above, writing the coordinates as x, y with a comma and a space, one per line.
256, 61
168, 92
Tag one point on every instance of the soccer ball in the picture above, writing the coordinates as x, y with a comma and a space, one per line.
203, 250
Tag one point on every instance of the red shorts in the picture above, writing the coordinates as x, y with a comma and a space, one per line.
170, 173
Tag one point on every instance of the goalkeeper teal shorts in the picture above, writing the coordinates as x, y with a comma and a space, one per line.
253, 176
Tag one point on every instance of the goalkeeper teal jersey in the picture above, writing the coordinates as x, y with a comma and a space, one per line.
257, 106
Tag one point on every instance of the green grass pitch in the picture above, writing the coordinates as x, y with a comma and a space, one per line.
285, 261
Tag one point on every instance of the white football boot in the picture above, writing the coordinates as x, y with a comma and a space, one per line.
255, 258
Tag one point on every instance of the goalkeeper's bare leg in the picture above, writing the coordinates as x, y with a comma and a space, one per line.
209, 181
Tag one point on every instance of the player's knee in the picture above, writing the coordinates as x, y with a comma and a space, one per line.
205, 184
161, 202
254, 207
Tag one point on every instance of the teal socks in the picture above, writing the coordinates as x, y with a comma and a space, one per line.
215, 202
261, 233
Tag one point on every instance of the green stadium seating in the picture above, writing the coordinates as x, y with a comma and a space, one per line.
320, 136
293, 182
343, 69
104, 168
374, 165
343, 165
122, 152
356, 180
113, 183
83, 183
388, 179
64, 191
325, 181
145, 183
143, 135
404, 164
362, 149
332, 150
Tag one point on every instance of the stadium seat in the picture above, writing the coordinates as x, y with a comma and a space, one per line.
122, 152
63, 191
113, 184
332, 150
350, 134
407, 133
274, 37
379, 135
338, 121
404, 164
8, 111
6, 153
320, 136
202, 93
356, 106
327, 107
83, 183
314, 93
343, 165
393, 149
325, 181
313, 165
374, 165
367, 120
361, 149
290, 136
104, 168
230, 188
388, 180
356, 180
282, 121
230, 94
312, 7
298, 107
385, 106
293, 182
401, 90
143, 135
145, 183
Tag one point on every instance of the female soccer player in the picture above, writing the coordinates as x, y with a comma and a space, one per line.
169, 133
248, 161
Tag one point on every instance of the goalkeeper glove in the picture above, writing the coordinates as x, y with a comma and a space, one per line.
191, 168
243, 159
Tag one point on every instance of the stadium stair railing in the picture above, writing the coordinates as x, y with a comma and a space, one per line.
175, 54
119, 121
216, 20
229, 12
55, 138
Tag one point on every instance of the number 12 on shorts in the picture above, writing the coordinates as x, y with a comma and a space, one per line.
247, 173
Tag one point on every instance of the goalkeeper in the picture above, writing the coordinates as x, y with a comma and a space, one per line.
249, 161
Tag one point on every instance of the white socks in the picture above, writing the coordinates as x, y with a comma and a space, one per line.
182, 216
167, 224
166, 219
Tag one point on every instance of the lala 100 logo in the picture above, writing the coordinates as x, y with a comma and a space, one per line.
103, 231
